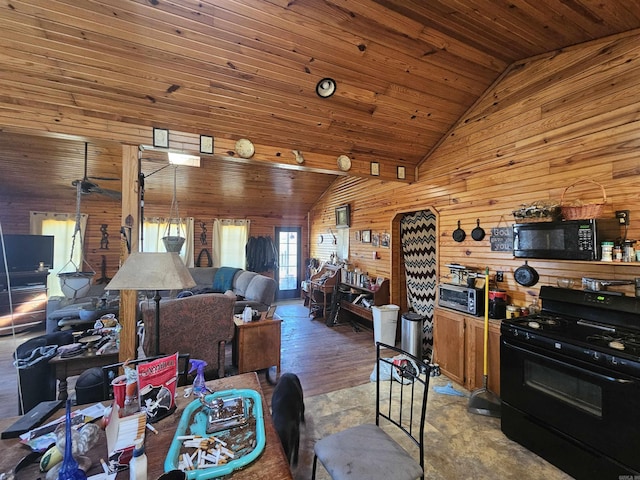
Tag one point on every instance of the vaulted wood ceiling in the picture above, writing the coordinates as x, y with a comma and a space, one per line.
406, 71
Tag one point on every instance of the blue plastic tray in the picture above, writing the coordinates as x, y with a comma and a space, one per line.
194, 422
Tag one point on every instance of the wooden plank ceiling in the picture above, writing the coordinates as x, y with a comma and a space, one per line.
406, 71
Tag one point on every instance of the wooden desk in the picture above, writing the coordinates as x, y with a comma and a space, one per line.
256, 345
321, 286
272, 464
67, 367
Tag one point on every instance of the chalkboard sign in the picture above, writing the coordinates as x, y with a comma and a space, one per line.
502, 239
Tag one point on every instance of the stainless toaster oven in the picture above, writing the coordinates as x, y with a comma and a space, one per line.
465, 299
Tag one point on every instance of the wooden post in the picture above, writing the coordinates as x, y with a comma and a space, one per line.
131, 222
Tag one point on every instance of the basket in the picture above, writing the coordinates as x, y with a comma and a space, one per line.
586, 211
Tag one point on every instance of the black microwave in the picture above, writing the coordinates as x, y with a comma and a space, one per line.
464, 299
564, 240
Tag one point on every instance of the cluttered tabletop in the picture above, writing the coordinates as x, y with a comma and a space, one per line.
227, 432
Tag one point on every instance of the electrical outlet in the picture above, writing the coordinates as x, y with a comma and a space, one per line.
499, 276
623, 216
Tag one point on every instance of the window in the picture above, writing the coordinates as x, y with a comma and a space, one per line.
62, 227
154, 228
229, 242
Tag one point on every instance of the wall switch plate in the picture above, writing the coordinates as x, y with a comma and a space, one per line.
499, 276
623, 217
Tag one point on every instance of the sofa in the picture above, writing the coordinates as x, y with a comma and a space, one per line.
252, 289
199, 325
63, 312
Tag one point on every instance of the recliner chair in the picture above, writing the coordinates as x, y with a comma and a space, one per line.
36, 377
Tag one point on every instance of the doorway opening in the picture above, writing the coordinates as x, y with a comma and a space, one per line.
288, 244
414, 264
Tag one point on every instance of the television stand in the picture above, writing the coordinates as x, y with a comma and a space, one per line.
28, 298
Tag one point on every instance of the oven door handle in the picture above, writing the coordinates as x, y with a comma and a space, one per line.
620, 381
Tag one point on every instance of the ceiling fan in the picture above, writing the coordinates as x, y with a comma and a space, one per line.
87, 186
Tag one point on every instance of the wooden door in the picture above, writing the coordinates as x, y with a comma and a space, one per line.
289, 246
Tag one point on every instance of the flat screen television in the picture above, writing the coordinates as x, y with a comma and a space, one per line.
25, 252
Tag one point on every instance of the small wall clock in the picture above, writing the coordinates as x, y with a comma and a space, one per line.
245, 148
344, 163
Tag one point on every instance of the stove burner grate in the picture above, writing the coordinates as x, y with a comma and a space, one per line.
542, 322
624, 342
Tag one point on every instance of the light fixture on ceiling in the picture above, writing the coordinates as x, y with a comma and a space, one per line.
298, 155
183, 159
326, 87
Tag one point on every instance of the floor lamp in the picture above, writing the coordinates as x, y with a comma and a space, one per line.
152, 271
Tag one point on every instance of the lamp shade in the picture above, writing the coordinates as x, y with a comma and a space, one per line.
152, 271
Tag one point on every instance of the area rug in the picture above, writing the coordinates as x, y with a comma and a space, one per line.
459, 444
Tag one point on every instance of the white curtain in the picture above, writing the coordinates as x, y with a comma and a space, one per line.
62, 227
154, 228
229, 242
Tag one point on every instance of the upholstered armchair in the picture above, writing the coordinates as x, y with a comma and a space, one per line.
199, 325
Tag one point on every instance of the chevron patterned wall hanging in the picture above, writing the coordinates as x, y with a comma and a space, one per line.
418, 237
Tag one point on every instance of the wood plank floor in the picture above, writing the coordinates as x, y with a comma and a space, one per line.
325, 358
329, 360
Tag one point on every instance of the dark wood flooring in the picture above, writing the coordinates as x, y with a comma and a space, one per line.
325, 358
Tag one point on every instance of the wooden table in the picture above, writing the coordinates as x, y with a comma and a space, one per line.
271, 464
67, 367
256, 345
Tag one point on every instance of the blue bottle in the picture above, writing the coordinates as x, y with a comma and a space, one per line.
70, 469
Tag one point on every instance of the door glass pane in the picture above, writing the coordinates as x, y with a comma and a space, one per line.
288, 261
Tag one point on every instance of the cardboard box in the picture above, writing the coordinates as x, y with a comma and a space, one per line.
122, 435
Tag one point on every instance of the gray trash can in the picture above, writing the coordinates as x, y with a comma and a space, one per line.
412, 333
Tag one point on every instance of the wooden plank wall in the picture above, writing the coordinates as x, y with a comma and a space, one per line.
550, 121
14, 215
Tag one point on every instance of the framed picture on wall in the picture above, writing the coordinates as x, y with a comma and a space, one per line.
357, 235
385, 240
375, 240
343, 214
366, 236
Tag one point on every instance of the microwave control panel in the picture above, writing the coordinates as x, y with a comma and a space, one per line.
585, 239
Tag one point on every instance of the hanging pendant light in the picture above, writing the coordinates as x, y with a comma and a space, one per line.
173, 243
76, 284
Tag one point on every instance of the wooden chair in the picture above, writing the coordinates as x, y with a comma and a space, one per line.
109, 372
367, 452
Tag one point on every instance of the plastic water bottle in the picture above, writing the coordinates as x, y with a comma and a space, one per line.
138, 463
246, 314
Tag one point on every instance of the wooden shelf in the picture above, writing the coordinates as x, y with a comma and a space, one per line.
366, 290
380, 297
581, 262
